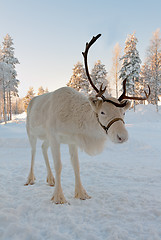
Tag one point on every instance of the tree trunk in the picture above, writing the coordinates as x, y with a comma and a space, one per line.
0, 110
156, 101
4, 106
134, 93
7, 105
10, 105
4, 102
116, 85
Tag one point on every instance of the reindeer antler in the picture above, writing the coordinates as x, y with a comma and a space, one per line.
101, 91
85, 53
123, 95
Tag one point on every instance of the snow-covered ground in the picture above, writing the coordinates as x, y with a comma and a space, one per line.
124, 182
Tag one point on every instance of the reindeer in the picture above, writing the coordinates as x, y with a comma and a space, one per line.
67, 116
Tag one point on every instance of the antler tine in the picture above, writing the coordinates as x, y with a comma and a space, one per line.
88, 45
124, 91
101, 91
123, 96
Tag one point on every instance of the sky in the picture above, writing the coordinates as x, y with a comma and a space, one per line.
49, 36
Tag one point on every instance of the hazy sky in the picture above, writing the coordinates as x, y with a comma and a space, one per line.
49, 36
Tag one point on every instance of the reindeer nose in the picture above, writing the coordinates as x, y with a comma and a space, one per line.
121, 139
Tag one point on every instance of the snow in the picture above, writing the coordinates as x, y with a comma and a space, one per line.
124, 182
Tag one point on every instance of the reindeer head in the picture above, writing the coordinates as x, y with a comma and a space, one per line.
110, 111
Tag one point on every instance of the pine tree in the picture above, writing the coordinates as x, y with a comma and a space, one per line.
154, 66
130, 69
8, 57
79, 80
99, 76
40, 91
5, 77
28, 97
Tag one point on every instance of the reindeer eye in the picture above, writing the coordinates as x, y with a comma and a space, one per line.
102, 113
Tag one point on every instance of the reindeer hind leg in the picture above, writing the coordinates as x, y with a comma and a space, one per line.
50, 177
31, 177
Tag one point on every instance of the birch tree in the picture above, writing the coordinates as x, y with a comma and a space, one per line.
116, 66
154, 66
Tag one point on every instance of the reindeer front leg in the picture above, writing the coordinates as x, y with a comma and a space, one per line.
80, 192
58, 196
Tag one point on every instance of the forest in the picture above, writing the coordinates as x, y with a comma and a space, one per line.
127, 66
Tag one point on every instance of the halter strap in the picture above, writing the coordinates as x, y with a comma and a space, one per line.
110, 123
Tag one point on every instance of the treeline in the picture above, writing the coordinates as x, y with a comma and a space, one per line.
127, 66
80, 82
124, 66
30, 94
19, 105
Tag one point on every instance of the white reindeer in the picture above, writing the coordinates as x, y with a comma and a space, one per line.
67, 116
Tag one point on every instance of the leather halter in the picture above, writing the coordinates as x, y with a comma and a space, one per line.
110, 123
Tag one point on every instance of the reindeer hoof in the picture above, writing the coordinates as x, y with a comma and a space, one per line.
82, 194
59, 199
30, 181
51, 181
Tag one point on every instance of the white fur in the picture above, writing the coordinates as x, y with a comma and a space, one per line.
66, 116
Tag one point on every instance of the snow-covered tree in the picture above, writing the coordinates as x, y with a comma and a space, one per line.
153, 62
28, 97
79, 79
7, 56
130, 69
99, 76
40, 91
5, 78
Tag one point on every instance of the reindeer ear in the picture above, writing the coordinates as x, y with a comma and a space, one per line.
95, 103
